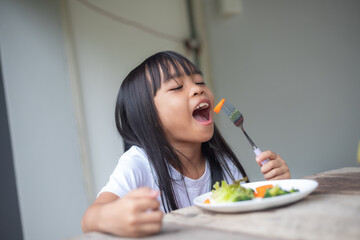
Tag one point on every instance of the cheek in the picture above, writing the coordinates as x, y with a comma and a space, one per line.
173, 116
211, 97
212, 101
167, 113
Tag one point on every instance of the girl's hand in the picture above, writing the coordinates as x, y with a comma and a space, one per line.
137, 214
276, 168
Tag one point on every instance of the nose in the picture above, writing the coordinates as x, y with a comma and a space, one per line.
197, 89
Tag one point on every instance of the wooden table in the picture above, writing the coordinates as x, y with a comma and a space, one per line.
332, 211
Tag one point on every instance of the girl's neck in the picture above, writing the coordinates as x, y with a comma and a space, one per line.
192, 160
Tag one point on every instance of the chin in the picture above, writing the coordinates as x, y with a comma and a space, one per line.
207, 136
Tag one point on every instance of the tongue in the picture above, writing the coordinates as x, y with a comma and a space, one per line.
201, 115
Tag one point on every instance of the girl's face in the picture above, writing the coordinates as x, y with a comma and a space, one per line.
184, 105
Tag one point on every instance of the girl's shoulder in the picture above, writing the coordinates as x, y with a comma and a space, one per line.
134, 162
134, 156
131, 172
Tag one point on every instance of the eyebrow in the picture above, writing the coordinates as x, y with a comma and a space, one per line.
172, 79
173, 69
169, 76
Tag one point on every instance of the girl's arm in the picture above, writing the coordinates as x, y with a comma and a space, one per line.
276, 168
137, 214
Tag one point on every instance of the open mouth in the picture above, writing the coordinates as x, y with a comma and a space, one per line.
202, 112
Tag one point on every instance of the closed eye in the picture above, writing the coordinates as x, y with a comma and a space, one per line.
200, 83
177, 88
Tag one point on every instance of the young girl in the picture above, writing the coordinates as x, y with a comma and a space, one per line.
173, 150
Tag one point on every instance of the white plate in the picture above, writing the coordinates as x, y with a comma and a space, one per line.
305, 187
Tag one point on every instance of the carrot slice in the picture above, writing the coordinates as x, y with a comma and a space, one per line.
219, 106
260, 191
207, 201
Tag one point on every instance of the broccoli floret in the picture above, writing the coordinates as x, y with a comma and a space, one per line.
277, 191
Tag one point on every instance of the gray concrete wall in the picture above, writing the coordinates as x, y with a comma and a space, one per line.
293, 69
42, 125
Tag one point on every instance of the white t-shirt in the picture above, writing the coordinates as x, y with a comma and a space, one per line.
134, 171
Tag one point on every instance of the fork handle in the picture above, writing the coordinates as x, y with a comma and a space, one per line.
257, 151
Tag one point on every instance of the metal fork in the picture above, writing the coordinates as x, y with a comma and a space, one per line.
237, 118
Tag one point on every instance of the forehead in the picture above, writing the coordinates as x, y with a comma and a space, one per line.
163, 70
175, 69
173, 73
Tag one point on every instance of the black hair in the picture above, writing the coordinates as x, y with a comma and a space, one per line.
138, 123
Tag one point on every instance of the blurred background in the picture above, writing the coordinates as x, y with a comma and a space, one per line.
291, 67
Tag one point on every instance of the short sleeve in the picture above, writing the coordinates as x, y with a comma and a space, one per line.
131, 172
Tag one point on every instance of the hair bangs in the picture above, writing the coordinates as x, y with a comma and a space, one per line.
168, 65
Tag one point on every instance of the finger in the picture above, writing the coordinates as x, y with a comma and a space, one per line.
146, 223
143, 192
270, 175
275, 172
144, 204
149, 229
266, 155
151, 217
284, 176
269, 166
142, 230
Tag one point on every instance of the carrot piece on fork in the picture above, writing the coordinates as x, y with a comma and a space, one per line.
219, 106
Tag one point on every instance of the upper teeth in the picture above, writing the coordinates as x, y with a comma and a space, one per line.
202, 105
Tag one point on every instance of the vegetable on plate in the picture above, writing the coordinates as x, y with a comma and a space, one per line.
231, 192
225, 192
260, 191
277, 191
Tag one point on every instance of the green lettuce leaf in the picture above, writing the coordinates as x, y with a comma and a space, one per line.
231, 192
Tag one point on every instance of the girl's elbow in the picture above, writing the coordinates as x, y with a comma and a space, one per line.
83, 224
87, 222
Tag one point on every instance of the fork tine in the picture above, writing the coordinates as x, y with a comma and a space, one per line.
227, 110
229, 105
